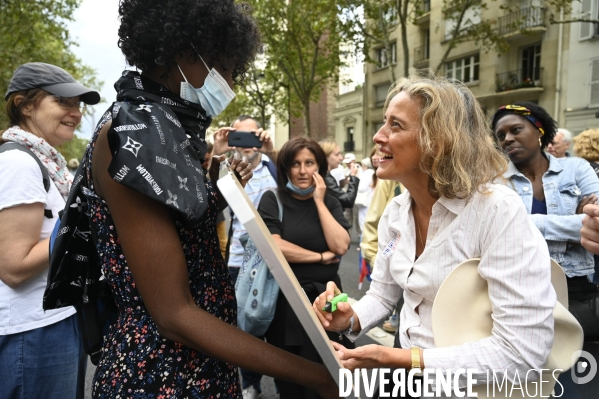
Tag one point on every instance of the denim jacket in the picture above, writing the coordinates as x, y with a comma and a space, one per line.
565, 183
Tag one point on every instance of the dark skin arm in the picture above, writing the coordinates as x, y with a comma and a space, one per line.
154, 255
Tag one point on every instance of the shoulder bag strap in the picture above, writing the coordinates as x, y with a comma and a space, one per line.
14, 146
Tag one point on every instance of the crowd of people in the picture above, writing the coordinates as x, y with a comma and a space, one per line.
441, 185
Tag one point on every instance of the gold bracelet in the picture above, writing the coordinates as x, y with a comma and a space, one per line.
415, 351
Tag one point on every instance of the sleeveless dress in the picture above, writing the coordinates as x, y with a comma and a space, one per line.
136, 361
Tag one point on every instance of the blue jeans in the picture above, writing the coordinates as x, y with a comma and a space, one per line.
48, 362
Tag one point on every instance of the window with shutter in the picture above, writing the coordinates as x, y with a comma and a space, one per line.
587, 30
380, 94
594, 83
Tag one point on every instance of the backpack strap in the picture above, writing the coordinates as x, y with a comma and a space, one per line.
276, 192
272, 168
14, 146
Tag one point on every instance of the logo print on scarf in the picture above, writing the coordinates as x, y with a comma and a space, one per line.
82, 234
77, 205
132, 146
172, 199
144, 107
189, 212
182, 183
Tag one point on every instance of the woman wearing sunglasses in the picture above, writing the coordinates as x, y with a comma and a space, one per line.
554, 191
40, 352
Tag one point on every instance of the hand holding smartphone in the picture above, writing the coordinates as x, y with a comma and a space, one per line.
244, 140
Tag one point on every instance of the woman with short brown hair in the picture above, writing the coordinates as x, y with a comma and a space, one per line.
312, 236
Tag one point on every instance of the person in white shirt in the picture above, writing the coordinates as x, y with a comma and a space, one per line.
41, 355
450, 213
263, 163
561, 142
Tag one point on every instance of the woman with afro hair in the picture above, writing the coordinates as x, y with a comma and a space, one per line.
554, 191
152, 210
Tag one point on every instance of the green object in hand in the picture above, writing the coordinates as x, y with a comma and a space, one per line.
331, 305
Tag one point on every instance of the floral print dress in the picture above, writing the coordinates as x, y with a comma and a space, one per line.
136, 361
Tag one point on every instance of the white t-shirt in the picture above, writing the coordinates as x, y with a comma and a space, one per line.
21, 183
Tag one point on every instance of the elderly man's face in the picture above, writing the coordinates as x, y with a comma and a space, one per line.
559, 146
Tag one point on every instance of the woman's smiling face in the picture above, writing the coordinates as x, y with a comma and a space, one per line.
53, 121
398, 139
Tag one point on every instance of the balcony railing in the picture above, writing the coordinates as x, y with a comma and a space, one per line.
421, 54
518, 79
348, 146
526, 18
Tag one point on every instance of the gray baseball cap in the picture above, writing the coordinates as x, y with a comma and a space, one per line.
52, 79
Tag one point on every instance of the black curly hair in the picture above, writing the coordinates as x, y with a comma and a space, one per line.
153, 31
549, 125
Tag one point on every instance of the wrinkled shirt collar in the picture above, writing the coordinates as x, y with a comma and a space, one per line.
555, 166
455, 205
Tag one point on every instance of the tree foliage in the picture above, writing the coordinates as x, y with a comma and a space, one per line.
372, 22
74, 148
302, 44
261, 95
36, 31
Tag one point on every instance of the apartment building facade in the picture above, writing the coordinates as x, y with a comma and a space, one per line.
531, 70
581, 73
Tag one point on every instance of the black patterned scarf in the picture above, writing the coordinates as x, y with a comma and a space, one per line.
158, 144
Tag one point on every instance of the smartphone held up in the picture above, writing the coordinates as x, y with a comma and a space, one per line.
244, 140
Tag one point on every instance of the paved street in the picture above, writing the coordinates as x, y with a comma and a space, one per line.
350, 274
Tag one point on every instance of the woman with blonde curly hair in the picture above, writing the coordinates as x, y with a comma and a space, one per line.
434, 141
586, 145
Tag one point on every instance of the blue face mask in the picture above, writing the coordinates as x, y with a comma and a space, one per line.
299, 191
214, 96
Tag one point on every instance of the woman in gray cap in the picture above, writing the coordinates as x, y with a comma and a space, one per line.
40, 352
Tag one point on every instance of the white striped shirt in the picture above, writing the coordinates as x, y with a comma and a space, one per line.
514, 261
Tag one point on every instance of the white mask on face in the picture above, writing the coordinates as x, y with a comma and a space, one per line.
213, 96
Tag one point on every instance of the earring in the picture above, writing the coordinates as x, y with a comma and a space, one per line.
540, 144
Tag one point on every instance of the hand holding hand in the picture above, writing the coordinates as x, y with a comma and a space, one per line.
339, 319
589, 199
590, 229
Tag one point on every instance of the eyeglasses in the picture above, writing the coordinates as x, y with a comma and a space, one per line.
68, 103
